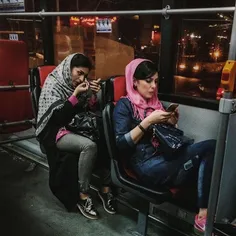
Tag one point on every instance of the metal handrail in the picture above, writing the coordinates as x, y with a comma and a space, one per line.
164, 11
16, 123
14, 87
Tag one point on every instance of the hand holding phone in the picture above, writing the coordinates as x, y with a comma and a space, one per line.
95, 85
174, 113
172, 107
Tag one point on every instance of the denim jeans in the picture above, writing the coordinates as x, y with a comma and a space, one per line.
194, 162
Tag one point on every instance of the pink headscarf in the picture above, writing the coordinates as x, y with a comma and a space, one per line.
138, 102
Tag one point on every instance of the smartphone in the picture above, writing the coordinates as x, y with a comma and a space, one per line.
172, 107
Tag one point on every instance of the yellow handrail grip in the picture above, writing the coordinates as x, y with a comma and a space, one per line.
228, 76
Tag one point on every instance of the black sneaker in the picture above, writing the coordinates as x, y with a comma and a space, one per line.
108, 202
87, 209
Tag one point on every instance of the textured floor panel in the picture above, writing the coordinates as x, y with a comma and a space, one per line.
29, 209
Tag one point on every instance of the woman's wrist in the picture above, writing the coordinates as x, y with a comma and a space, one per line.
146, 123
142, 128
76, 94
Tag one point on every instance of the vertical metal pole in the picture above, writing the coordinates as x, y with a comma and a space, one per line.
77, 5
33, 28
216, 174
47, 31
169, 40
220, 146
58, 27
232, 48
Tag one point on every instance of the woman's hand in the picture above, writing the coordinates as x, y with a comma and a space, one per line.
94, 85
158, 116
83, 87
174, 117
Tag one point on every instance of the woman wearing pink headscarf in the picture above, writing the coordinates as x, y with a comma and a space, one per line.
133, 115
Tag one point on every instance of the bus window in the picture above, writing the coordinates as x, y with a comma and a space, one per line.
109, 51
202, 52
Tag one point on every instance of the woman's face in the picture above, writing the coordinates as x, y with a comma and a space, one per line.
147, 87
79, 75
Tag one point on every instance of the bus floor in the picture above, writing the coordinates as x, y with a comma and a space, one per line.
28, 207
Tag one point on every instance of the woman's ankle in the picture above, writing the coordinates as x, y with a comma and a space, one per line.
202, 213
83, 196
105, 189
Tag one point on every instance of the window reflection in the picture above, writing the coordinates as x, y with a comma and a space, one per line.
108, 41
202, 52
27, 30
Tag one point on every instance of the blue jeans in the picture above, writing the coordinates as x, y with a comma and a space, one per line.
196, 161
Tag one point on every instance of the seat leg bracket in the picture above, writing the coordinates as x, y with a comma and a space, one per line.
142, 219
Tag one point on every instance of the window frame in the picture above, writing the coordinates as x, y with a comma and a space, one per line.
170, 34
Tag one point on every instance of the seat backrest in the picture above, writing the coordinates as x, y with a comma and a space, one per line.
37, 78
103, 95
116, 88
43, 72
14, 70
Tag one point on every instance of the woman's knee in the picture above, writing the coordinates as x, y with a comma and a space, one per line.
209, 150
205, 146
210, 146
90, 146
211, 143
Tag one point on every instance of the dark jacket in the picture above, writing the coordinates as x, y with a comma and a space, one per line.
63, 167
124, 122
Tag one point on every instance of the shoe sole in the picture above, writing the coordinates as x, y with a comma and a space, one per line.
104, 205
85, 215
198, 231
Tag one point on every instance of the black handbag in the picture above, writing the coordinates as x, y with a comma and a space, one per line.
85, 124
171, 139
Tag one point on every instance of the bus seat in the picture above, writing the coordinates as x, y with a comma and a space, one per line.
124, 177
115, 89
14, 68
103, 95
44, 71
38, 76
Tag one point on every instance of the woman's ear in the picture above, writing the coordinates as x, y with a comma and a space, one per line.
135, 84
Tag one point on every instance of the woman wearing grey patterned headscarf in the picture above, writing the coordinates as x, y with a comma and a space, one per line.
65, 93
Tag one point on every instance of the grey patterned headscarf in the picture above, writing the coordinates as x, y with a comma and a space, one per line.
56, 90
